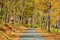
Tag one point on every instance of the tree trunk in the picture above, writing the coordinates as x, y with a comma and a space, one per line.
49, 23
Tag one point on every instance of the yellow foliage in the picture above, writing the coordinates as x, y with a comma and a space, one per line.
36, 1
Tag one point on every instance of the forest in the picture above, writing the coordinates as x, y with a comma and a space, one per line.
16, 15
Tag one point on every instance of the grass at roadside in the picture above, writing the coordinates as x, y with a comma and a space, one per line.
55, 30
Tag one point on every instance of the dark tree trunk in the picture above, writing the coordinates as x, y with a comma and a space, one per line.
49, 23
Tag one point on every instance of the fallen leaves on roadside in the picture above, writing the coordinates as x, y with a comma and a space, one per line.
10, 33
47, 35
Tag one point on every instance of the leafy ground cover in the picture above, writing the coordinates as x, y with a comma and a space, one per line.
8, 32
49, 36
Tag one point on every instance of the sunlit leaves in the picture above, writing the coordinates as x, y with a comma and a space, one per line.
26, 8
